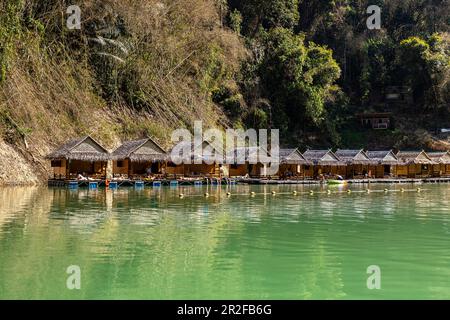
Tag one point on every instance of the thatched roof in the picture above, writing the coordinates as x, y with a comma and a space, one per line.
196, 152
440, 157
140, 151
292, 156
413, 157
383, 157
250, 154
84, 149
354, 157
323, 158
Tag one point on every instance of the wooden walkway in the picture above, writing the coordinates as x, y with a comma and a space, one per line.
138, 183
350, 181
208, 181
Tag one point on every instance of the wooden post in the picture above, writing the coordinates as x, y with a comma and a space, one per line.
67, 168
109, 170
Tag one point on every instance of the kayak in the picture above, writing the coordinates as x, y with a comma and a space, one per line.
337, 182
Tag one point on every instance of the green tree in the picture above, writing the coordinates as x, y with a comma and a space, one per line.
425, 65
10, 31
236, 21
267, 14
298, 78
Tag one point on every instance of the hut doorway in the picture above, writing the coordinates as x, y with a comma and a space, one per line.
145, 168
155, 167
96, 169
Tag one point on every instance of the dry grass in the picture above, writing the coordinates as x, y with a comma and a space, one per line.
177, 54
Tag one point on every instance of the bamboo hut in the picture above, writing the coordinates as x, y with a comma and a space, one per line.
441, 166
324, 162
292, 164
357, 163
385, 164
83, 156
414, 164
139, 158
197, 163
248, 162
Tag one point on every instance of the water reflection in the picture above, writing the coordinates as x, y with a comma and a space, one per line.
153, 244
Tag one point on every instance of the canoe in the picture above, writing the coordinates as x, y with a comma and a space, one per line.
337, 182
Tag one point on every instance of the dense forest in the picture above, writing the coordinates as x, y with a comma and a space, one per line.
316, 64
144, 67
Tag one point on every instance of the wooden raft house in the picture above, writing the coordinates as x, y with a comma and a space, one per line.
248, 163
292, 164
385, 164
143, 160
441, 166
357, 163
414, 164
201, 165
137, 159
82, 157
324, 162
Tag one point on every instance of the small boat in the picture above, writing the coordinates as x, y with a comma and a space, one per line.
337, 182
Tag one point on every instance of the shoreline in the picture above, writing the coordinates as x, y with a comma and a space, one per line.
224, 182
229, 182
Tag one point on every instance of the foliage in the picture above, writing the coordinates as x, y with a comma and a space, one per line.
236, 21
267, 13
142, 67
10, 32
425, 66
302, 89
298, 78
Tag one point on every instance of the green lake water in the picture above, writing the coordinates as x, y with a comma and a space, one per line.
150, 244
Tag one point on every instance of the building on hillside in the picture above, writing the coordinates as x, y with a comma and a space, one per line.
375, 120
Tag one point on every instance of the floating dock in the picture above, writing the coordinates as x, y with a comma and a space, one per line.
216, 182
349, 181
114, 184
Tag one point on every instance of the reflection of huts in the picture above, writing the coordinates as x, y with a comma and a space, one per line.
292, 164
385, 164
139, 158
205, 160
414, 164
248, 161
323, 162
83, 156
441, 166
357, 162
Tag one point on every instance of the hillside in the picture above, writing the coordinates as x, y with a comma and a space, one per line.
135, 68
145, 67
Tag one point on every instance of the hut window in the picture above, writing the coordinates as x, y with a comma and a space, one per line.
56, 163
120, 164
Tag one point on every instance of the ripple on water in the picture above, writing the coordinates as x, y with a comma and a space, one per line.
152, 244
